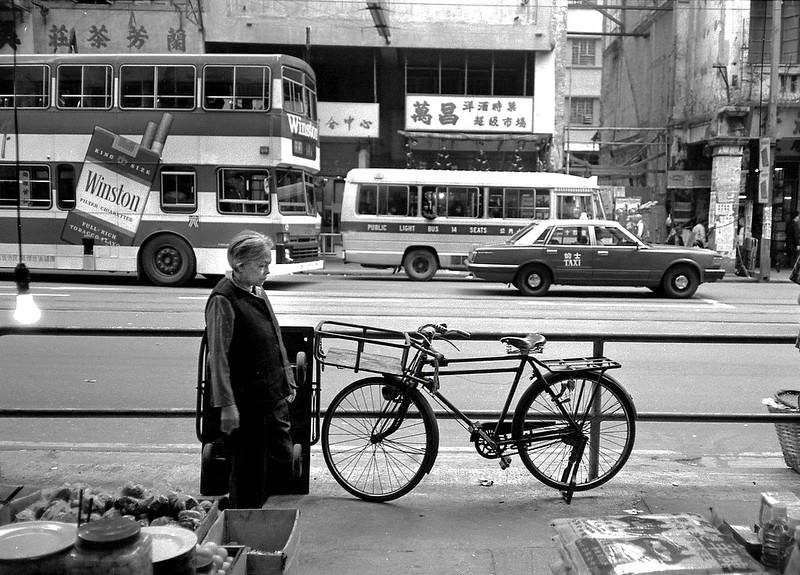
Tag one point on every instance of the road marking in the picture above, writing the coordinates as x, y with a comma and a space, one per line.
715, 303
537, 303
38, 295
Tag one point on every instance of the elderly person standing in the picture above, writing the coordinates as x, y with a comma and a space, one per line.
252, 382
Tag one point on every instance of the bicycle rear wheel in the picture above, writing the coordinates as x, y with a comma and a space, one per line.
606, 416
379, 439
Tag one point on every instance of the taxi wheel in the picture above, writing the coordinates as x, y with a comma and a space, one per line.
420, 265
680, 282
533, 280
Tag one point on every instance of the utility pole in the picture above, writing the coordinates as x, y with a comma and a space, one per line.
772, 128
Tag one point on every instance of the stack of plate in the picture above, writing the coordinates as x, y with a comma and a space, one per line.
36, 547
173, 549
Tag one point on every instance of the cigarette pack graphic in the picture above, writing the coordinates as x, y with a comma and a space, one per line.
113, 187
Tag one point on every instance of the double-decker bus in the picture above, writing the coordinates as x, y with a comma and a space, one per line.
149, 164
426, 220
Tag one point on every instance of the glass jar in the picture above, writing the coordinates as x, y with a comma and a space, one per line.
111, 545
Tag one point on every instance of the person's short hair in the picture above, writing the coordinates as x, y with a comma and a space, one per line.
248, 246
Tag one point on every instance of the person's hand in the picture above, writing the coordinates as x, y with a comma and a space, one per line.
292, 394
229, 418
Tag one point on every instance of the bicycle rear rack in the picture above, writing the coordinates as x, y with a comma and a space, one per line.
580, 364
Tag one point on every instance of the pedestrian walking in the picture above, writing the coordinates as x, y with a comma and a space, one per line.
252, 382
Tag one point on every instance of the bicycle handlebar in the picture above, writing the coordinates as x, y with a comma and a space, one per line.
431, 331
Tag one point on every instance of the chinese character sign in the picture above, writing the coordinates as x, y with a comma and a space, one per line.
119, 31
348, 120
469, 114
112, 191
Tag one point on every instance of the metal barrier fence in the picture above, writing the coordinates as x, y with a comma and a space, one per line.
328, 243
598, 341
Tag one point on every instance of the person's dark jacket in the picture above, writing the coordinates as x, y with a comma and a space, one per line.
256, 356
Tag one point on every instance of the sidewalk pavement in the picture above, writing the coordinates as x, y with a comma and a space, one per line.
335, 265
466, 517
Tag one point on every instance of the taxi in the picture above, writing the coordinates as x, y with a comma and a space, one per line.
593, 253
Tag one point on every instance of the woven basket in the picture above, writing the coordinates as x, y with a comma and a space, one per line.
788, 433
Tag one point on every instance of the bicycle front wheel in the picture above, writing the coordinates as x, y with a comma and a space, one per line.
379, 438
605, 417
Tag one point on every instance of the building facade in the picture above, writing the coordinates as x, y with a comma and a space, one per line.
464, 84
584, 74
687, 86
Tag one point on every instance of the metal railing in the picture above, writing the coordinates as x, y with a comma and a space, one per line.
598, 341
328, 243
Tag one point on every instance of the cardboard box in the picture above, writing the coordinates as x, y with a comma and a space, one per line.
207, 522
271, 536
238, 559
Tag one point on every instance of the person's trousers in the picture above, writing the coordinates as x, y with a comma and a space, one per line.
259, 452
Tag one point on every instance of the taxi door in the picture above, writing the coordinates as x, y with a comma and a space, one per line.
569, 254
618, 259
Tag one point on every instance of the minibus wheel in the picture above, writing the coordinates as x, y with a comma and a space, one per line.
420, 264
167, 260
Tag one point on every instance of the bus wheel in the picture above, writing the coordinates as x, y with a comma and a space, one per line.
420, 265
168, 261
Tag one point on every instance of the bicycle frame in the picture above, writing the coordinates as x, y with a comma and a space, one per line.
539, 371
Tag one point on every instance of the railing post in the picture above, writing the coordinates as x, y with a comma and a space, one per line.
594, 429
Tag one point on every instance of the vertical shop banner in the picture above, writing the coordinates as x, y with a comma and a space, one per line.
112, 190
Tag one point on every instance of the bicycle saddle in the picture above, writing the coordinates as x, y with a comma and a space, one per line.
532, 341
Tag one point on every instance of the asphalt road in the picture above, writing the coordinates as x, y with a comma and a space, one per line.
51, 372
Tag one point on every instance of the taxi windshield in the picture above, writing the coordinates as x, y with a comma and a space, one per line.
525, 235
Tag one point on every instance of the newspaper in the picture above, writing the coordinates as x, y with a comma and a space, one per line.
685, 544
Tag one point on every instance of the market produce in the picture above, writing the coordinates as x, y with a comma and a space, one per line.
218, 555
133, 501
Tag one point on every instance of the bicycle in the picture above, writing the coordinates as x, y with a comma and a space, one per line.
573, 427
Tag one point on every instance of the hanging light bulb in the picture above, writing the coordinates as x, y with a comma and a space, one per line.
26, 312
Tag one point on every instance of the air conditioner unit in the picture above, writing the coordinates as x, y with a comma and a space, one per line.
587, 119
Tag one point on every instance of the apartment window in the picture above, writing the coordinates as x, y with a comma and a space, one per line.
473, 73
583, 52
581, 111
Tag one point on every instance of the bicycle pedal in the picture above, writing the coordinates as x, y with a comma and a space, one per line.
505, 462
